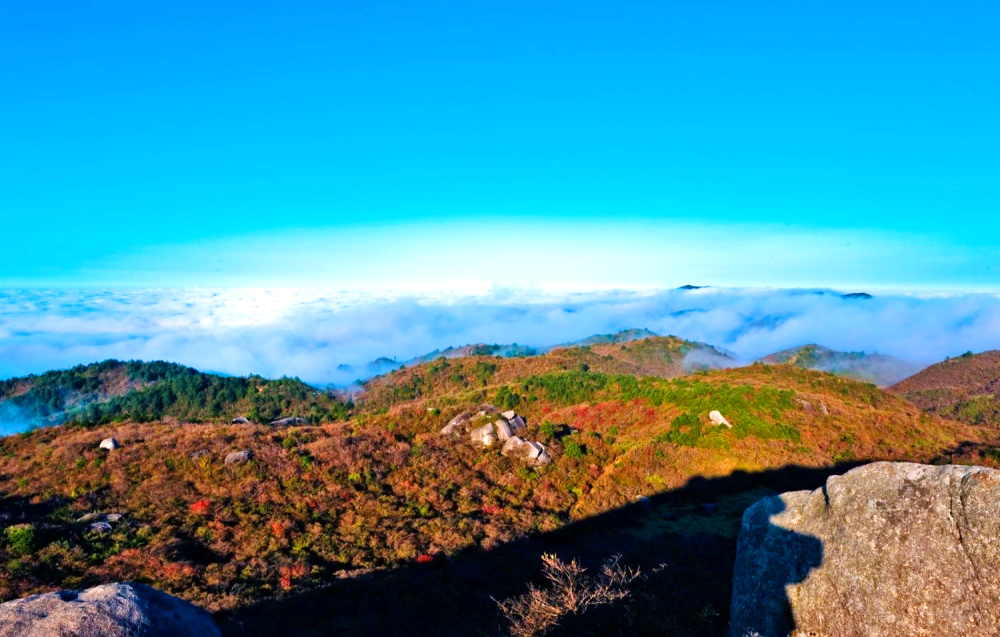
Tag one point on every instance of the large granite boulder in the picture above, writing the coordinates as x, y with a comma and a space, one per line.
533, 453
110, 610
887, 549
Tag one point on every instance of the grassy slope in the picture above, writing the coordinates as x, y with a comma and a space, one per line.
467, 379
964, 388
323, 502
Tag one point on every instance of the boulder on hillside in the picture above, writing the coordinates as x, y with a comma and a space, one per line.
516, 422
110, 444
484, 435
284, 422
533, 453
487, 409
718, 419
456, 424
503, 429
885, 550
100, 523
109, 610
239, 457
241, 421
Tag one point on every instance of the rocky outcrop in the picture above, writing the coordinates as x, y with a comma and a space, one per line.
885, 550
241, 421
110, 444
456, 424
100, 523
533, 453
516, 422
110, 610
239, 457
485, 435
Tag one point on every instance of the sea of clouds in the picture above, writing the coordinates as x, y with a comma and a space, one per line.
309, 333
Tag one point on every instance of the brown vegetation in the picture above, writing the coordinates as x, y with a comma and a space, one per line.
965, 388
384, 493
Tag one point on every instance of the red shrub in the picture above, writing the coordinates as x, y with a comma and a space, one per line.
489, 509
201, 507
425, 559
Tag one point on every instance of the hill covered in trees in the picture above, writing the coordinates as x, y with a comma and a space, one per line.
115, 391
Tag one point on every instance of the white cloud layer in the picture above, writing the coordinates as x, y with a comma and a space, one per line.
308, 333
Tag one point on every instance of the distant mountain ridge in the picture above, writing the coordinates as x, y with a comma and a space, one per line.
874, 368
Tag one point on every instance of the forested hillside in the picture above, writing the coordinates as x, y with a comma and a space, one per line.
115, 391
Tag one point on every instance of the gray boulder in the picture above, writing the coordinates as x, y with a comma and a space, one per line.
285, 422
885, 550
110, 610
241, 421
239, 457
456, 424
533, 453
503, 429
100, 517
484, 435
110, 444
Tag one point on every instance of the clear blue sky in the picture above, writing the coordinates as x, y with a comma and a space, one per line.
177, 143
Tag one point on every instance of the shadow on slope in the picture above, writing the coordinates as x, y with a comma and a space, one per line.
691, 530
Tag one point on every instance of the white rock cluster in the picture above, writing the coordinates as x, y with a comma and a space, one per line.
503, 430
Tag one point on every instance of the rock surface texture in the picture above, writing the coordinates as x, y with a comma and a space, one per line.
239, 457
110, 610
885, 550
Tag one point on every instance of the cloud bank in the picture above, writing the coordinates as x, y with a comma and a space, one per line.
309, 333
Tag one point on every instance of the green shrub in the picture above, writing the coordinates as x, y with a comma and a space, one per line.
506, 398
574, 449
21, 539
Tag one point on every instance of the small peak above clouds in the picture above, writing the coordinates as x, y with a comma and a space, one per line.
875, 368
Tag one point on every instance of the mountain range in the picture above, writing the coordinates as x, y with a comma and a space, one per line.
319, 527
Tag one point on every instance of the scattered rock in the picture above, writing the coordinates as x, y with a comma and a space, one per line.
642, 501
109, 610
110, 444
284, 422
100, 517
456, 424
533, 453
485, 410
503, 430
484, 435
241, 421
101, 528
885, 550
805, 404
717, 418
239, 457
823, 409
516, 422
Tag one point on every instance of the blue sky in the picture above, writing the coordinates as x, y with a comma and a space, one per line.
434, 144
